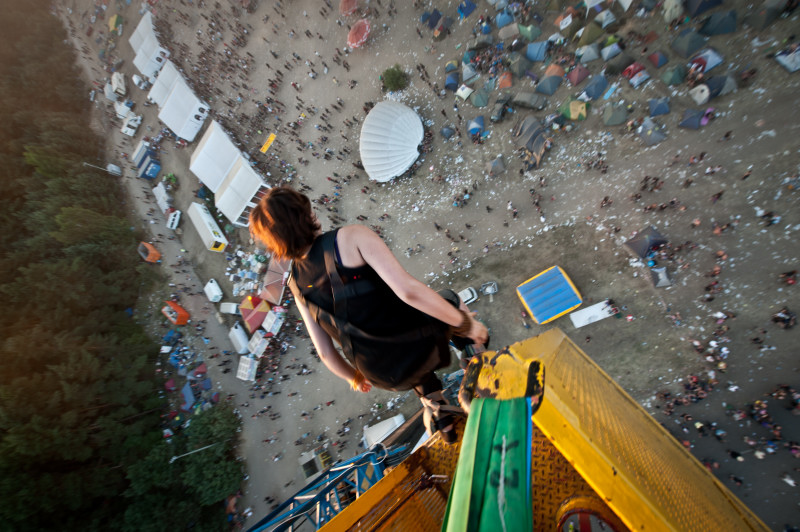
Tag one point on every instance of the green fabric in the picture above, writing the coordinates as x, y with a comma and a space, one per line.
478, 501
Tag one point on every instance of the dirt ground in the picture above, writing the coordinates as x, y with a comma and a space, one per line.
647, 353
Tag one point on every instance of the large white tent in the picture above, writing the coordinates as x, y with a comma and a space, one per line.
240, 192
213, 157
149, 55
221, 167
180, 110
390, 136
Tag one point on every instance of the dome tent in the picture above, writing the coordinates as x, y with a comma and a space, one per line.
390, 136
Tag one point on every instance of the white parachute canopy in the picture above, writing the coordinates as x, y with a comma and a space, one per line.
390, 136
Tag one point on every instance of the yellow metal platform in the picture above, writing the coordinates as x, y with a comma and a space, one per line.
595, 452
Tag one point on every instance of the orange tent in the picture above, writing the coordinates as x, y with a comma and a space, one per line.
358, 34
348, 7
148, 252
554, 70
254, 310
504, 80
175, 313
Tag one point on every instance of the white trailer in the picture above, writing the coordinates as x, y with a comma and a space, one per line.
207, 228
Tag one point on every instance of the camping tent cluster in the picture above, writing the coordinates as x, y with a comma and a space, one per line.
197, 392
526, 58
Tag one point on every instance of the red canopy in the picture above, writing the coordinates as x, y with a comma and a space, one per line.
358, 34
254, 310
348, 7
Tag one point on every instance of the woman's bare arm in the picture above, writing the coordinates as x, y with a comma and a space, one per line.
374, 252
327, 352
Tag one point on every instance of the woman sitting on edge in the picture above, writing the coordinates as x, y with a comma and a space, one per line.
349, 287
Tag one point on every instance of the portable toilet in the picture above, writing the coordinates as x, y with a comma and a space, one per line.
213, 291
239, 338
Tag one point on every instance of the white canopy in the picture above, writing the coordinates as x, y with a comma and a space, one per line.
238, 192
149, 55
390, 136
214, 157
181, 111
163, 84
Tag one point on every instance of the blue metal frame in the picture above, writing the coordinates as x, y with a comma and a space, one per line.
314, 502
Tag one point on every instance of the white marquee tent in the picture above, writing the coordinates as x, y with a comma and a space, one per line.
390, 136
180, 110
240, 192
149, 55
221, 167
213, 157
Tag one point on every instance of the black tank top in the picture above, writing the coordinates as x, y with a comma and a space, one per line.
375, 309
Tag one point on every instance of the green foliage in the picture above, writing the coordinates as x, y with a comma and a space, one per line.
394, 78
80, 427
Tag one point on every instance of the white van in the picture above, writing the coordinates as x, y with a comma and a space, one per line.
213, 291
230, 308
239, 338
174, 219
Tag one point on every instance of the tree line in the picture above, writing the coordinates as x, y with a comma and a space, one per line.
81, 445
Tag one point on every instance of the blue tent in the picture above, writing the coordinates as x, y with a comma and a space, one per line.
475, 126
206, 384
549, 85
549, 295
595, 86
433, 20
659, 106
486, 29
465, 8
188, 397
504, 18
451, 81
691, 119
468, 56
536, 51
697, 7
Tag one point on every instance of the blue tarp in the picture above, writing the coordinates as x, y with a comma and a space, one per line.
188, 397
536, 51
503, 19
465, 8
451, 81
549, 295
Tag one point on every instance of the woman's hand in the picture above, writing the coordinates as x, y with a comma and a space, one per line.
359, 383
478, 333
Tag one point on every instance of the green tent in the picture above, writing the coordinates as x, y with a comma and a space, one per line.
530, 33
574, 109
614, 115
479, 98
518, 64
674, 75
491, 488
591, 32
688, 42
